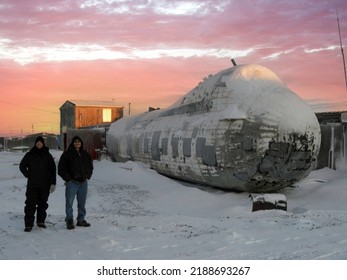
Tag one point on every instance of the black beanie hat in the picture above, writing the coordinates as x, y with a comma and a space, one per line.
76, 138
40, 138
73, 140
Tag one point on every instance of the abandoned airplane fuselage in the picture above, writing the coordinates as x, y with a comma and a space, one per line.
240, 129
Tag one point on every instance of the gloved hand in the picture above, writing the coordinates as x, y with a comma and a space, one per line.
52, 188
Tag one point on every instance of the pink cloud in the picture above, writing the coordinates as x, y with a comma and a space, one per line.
48, 39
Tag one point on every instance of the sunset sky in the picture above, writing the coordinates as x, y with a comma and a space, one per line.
151, 52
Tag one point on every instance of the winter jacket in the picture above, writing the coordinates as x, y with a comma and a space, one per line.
39, 167
75, 165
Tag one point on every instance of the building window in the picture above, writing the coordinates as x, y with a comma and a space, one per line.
106, 115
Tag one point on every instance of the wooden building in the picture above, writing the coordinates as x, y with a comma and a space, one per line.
89, 120
76, 114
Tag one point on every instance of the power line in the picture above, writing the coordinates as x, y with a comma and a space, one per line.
29, 107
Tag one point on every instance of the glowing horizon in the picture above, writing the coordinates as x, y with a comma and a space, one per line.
150, 53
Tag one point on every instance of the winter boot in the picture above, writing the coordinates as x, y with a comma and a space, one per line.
70, 224
28, 229
41, 225
83, 223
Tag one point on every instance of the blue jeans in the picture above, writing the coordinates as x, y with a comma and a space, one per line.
76, 189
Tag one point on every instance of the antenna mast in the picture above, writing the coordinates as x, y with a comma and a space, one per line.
343, 56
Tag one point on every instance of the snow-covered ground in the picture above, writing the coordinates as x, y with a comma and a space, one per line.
137, 214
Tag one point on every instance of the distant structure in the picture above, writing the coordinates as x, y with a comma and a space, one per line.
88, 119
333, 150
27, 142
82, 113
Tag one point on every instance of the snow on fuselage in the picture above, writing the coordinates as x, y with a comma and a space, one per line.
240, 129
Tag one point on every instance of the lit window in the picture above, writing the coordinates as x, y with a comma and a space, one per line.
106, 115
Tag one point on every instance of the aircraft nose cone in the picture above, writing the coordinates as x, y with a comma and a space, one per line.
292, 152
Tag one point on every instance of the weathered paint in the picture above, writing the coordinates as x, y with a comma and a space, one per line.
241, 129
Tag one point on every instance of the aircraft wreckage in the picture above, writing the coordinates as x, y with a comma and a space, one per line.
241, 129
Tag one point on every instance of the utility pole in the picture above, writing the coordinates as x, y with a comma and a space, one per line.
343, 56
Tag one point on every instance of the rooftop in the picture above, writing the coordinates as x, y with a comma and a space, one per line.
93, 103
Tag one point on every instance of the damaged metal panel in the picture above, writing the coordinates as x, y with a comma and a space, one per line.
155, 151
187, 143
200, 145
209, 155
164, 145
174, 147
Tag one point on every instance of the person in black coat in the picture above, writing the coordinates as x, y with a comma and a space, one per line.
75, 167
39, 168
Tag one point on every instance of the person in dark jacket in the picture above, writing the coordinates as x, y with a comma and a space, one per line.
39, 167
75, 167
